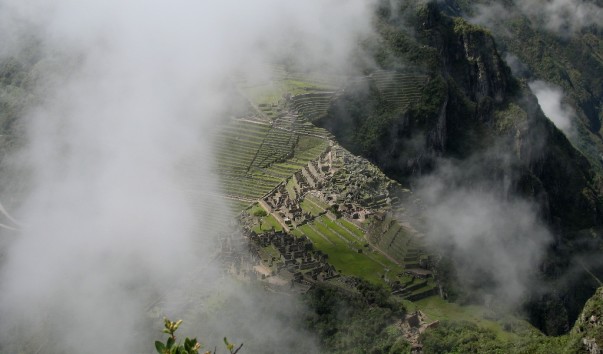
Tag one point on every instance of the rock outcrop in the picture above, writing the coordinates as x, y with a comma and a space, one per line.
589, 326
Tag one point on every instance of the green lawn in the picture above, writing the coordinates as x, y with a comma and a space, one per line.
290, 187
437, 308
268, 223
351, 227
341, 231
320, 204
346, 259
311, 208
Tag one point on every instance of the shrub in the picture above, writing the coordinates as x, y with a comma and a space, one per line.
190, 346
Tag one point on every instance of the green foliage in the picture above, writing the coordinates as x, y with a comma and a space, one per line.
589, 323
571, 61
346, 259
260, 213
190, 346
335, 210
467, 337
462, 337
465, 28
362, 322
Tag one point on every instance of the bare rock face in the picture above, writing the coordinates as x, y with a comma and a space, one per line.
472, 110
589, 325
488, 75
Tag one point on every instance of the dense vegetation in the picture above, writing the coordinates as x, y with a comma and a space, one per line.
363, 322
470, 106
466, 337
468, 100
569, 58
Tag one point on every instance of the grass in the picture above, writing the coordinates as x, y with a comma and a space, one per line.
269, 252
351, 227
290, 187
317, 202
311, 208
341, 231
268, 222
246, 155
255, 208
297, 86
270, 92
236, 205
345, 258
437, 308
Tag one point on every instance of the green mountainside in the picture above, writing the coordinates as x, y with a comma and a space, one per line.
569, 58
323, 173
473, 110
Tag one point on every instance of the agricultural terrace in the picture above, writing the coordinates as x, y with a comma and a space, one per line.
343, 240
266, 95
312, 106
253, 157
396, 240
347, 252
255, 154
399, 89
280, 156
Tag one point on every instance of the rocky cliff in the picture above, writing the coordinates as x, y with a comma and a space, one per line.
474, 111
589, 326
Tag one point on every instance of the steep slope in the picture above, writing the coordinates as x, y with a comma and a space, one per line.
462, 336
555, 43
589, 326
473, 110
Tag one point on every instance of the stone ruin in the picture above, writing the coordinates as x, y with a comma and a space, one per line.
345, 183
298, 264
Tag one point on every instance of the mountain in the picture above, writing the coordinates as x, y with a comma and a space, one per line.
588, 325
558, 43
474, 111
426, 201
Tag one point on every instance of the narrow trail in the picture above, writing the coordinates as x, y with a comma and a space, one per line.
589, 272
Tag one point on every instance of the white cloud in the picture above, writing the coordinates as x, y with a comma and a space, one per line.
495, 239
108, 225
550, 99
563, 17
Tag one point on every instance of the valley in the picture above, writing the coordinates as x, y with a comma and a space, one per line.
391, 183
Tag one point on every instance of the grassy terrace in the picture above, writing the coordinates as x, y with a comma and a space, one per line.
277, 146
292, 188
395, 240
300, 125
311, 208
237, 205
344, 233
267, 222
398, 88
312, 106
253, 158
343, 245
351, 228
438, 309
266, 94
